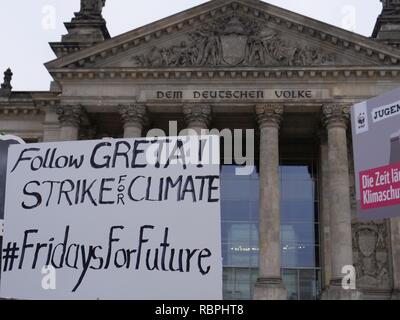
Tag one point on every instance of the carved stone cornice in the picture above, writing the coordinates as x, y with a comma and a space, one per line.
269, 115
276, 73
19, 111
197, 115
134, 114
336, 115
71, 115
47, 103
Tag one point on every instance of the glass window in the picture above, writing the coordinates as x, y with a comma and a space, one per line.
299, 230
302, 284
239, 206
307, 284
290, 278
237, 283
302, 211
235, 210
297, 190
295, 255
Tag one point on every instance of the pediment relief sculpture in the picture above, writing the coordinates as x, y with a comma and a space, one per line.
227, 34
234, 41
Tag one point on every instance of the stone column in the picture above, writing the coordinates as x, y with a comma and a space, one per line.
269, 285
325, 210
197, 117
134, 118
51, 125
336, 118
70, 119
395, 247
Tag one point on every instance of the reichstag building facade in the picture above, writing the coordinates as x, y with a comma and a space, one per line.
290, 226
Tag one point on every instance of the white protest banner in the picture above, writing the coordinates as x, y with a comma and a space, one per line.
5, 142
113, 219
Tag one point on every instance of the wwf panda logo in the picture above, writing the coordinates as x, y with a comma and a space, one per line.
361, 120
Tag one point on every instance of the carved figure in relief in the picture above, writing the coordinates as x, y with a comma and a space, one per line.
234, 41
212, 48
370, 254
256, 52
281, 51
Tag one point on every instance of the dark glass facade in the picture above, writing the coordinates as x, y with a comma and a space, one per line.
239, 203
299, 230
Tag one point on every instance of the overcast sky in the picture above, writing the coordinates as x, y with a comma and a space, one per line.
27, 26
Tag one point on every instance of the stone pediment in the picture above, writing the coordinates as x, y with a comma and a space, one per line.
229, 41
241, 33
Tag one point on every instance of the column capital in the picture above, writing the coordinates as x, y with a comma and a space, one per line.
336, 115
197, 115
269, 115
133, 114
70, 115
